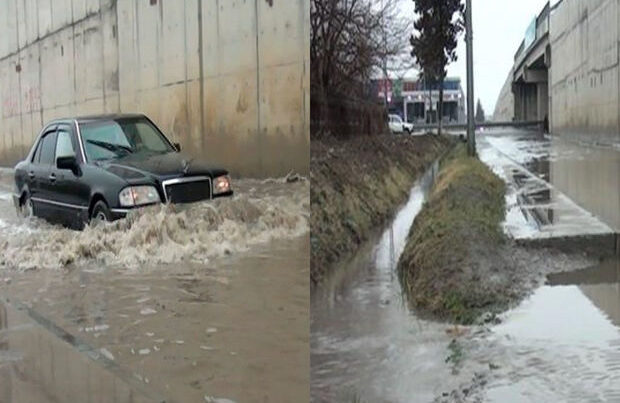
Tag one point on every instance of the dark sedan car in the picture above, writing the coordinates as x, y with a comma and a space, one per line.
101, 167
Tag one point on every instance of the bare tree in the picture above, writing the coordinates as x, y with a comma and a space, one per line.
352, 41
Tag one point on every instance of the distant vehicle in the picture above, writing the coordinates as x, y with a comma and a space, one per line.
398, 126
101, 167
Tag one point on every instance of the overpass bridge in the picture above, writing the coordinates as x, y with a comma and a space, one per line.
530, 74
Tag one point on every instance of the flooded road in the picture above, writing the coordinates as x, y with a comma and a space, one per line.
366, 345
562, 344
194, 304
536, 208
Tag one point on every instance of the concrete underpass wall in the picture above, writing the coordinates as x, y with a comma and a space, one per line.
505, 105
228, 79
584, 73
584, 84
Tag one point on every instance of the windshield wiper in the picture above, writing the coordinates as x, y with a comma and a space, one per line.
111, 147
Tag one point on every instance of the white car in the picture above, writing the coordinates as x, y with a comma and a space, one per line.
398, 126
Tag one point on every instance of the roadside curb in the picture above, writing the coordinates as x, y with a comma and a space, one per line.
598, 245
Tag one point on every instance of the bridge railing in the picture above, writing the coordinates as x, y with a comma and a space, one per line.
539, 30
533, 124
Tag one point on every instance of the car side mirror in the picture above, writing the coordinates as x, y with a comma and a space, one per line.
177, 146
68, 162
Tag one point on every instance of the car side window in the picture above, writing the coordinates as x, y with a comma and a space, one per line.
37, 154
64, 145
48, 146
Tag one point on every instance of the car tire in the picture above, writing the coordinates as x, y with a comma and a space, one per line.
100, 213
26, 209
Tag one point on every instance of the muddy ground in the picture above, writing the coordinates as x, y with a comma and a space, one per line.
356, 185
458, 265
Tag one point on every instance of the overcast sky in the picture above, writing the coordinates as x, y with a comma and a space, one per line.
499, 28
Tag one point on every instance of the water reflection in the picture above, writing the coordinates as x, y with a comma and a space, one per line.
40, 363
590, 176
537, 205
365, 343
560, 344
601, 284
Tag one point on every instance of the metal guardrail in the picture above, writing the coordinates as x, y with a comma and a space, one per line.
540, 29
529, 123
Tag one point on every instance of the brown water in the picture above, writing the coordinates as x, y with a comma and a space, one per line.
39, 365
560, 345
366, 344
260, 212
205, 303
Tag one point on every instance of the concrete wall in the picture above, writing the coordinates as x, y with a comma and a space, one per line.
584, 76
228, 79
585, 89
590, 176
505, 105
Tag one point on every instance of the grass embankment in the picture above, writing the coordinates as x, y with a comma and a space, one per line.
455, 248
355, 186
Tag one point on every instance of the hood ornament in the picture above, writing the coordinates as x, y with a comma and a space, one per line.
186, 164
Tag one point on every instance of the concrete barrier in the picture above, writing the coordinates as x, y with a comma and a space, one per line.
228, 79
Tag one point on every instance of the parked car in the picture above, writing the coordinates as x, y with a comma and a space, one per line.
398, 126
101, 167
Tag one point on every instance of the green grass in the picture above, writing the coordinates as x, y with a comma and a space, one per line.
460, 221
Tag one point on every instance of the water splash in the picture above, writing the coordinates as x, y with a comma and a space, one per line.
259, 213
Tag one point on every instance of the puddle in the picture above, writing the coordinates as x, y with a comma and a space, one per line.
562, 344
36, 365
227, 345
365, 342
535, 207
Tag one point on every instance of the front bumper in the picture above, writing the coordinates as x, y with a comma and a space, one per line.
118, 213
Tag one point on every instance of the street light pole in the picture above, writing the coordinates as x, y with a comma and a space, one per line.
469, 39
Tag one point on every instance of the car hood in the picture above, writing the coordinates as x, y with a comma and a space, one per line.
160, 166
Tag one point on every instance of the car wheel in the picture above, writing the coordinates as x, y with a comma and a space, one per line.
26, 209
101, 213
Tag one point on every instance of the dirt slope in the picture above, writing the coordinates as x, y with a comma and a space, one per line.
356, 185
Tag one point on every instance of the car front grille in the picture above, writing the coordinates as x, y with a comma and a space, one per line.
187, 190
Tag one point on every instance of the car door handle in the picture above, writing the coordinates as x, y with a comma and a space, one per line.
31, 175
52, 178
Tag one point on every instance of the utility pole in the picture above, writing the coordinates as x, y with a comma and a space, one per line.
469, 39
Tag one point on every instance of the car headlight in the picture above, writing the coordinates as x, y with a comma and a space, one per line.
221, 184
138, 196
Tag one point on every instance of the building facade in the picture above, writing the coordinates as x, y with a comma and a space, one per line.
418, 102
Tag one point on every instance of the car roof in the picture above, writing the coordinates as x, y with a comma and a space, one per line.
97, 118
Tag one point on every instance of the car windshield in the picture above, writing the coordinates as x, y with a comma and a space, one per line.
110, 139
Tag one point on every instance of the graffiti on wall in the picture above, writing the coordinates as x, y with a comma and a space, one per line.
32, 99
31, 102
10, 105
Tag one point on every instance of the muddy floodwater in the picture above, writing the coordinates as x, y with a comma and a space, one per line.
561, 344
365, 343
207, 302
